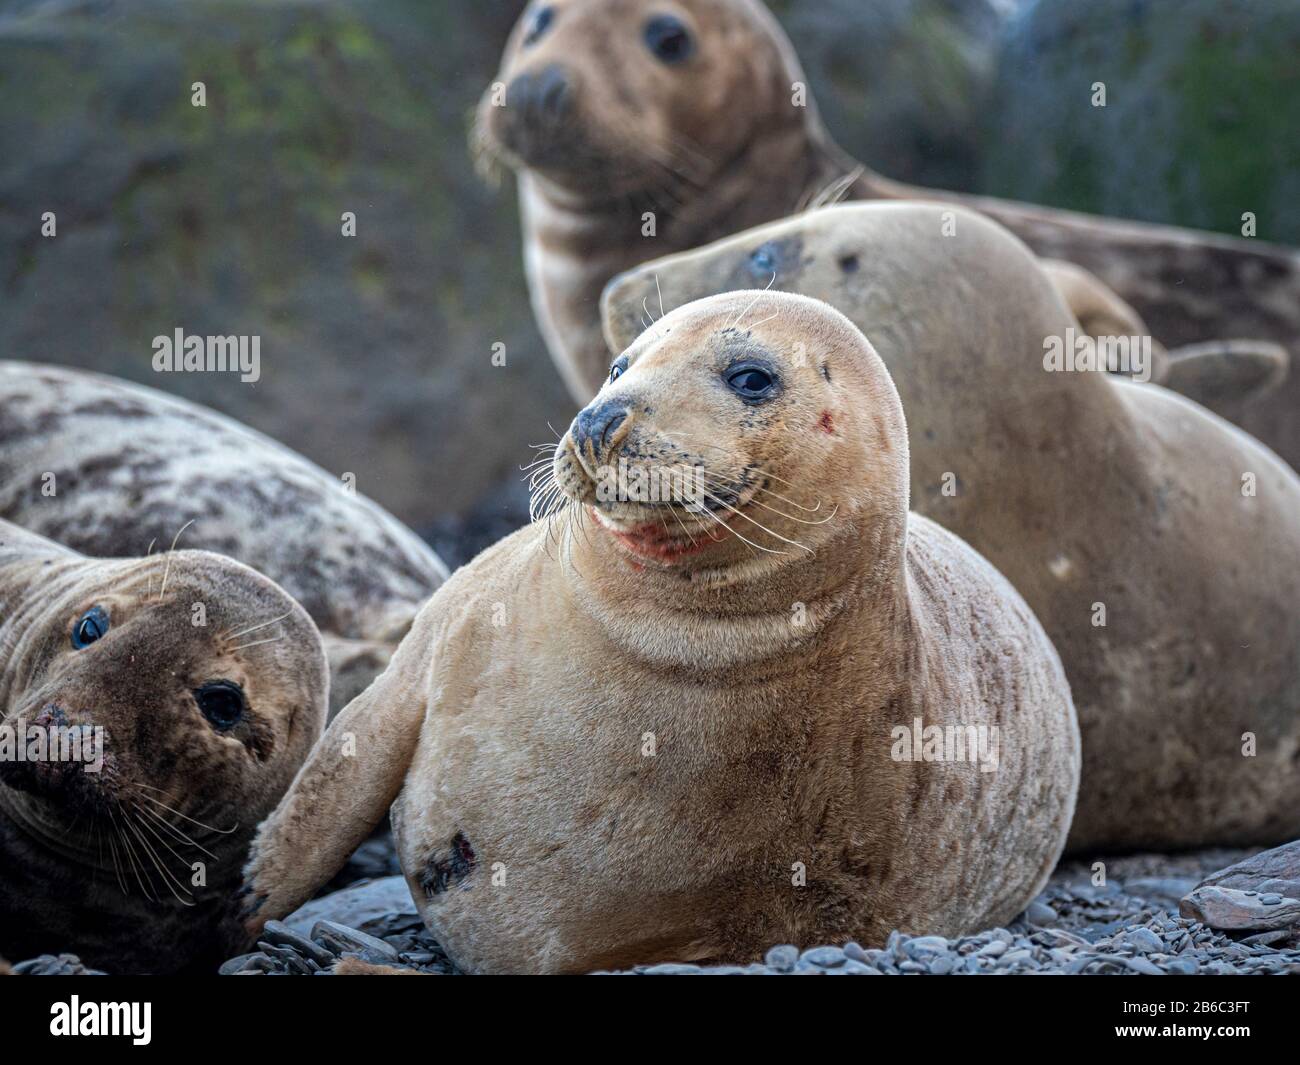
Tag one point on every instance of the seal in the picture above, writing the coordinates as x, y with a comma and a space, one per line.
621, 119
692, 722
154, 710
1155, 542
106, 467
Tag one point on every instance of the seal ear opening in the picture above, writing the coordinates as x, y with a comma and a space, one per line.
352, 777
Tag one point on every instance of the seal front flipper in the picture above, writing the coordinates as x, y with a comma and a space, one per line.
351, 779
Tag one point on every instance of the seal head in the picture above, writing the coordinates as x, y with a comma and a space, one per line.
162, 706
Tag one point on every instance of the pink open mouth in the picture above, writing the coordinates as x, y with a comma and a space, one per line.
653, 542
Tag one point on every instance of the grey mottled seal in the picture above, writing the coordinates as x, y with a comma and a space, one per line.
106, 467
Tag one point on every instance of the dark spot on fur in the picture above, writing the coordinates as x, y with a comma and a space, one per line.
849, 264
826, 371
448, 868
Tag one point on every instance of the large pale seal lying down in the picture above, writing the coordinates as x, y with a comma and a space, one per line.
106, 467
641, 128
691, 728
1158, 545
152, 712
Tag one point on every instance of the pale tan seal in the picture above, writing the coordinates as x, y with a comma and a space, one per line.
639, 128
107, 467
1099, 499
656, 731
131, 865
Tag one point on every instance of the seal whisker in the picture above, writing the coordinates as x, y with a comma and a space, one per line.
258, 643
153, 857
170, 809
170, 551
182, 836
254, 628
789, 517
147, 554
136, 866
740, 317
117, 865
740, 536
759, 524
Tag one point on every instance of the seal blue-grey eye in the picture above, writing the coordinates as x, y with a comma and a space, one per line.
668, 38
540, 23
90, 627
222, 703
762, 261
616, 371
750, 382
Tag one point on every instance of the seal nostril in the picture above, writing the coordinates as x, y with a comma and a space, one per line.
552, 92
598, 426
611, 426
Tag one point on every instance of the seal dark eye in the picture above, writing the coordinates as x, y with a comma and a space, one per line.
750, 382
762, 263
90, 627
616, 371
222, 703
539, 24
668, 39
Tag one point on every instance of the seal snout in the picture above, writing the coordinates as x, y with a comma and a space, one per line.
539, 103
599, 429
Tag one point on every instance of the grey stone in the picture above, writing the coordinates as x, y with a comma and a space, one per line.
1227, 908
923, 946
824, 957
1145, 941
344, 940
855, 953
257, 962
354, 906
282, 935
1039, 913
783, 958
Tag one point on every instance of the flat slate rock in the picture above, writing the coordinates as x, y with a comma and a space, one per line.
1233, 910
364, 901
1275, 871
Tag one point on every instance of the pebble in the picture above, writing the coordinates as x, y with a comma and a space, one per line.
783, 958
824, 957
1039, 913
1145, 941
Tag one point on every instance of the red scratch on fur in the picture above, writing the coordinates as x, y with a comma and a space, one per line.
826, 422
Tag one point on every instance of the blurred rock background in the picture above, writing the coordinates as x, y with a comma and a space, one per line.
377, 350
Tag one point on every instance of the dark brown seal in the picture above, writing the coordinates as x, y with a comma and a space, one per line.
640, 128
152, 712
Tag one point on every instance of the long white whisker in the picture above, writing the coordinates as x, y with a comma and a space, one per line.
264, 624
167, 568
